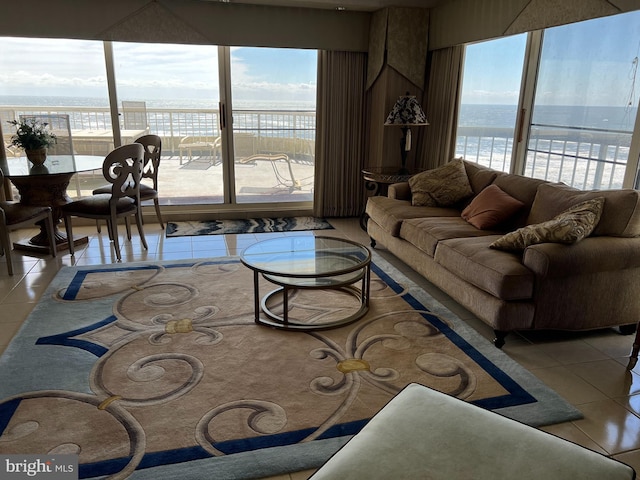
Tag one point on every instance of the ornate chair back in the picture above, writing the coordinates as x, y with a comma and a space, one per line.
123, 169
152, 152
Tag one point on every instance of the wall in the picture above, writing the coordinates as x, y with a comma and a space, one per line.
463, 21
188, 21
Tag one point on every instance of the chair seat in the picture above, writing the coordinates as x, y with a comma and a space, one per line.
146, 192
98, 205
17, 212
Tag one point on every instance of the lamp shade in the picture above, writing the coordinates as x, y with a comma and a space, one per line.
406, 112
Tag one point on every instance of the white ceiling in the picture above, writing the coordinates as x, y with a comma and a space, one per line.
358, 5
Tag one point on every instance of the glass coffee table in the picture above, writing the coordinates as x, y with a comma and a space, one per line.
308, 262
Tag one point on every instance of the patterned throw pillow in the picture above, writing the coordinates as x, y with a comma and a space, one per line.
568, 227
490, 208
441, 187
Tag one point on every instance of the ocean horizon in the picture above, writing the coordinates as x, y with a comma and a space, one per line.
610, 118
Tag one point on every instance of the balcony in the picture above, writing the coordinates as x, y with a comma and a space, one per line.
580, 157
274, 159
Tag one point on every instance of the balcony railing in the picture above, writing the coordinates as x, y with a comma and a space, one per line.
585, 158
192, 135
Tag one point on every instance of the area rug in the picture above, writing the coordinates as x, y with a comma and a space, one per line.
251, 225
159, 371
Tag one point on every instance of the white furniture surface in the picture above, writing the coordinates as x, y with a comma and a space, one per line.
424, 434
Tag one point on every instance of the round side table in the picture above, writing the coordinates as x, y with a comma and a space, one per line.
378, 179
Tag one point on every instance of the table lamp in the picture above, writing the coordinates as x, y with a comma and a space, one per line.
406, 113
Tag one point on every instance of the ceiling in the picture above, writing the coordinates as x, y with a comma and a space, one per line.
357, 5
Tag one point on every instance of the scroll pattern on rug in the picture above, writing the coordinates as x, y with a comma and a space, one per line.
180, 371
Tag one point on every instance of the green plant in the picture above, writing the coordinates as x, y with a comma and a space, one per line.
32, 134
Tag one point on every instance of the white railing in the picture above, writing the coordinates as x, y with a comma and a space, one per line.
173, 124
581, 157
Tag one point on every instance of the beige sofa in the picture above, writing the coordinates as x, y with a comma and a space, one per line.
586, 285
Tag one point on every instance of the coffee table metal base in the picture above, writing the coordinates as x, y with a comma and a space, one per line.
283, 322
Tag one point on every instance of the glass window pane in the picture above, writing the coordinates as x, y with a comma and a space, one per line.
60, 77
173, 91
274, 118
585, 102
489, 101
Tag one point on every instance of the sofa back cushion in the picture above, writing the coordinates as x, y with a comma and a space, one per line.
620, 215
479, 176
521, 188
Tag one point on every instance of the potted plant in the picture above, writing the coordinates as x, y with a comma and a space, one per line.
34, 137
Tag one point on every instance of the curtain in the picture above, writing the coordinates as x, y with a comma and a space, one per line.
438, 143
339, 188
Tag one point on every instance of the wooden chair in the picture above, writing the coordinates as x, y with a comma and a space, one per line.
152, 152
122, 168
14, 215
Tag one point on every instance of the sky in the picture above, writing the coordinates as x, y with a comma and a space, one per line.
75, 68
593, 62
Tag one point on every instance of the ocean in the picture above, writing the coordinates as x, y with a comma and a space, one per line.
592, 137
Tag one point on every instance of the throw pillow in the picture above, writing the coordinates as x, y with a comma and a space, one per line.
490, 208
568, 227
442, 187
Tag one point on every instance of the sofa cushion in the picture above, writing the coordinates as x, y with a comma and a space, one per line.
479, 176
522, 188
389, 213
444, 186
620, 215
425, 233
568, 227
499, 273
491, 207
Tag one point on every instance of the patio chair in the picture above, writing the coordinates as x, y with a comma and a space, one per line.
123, 169
14, 215
134, 116
152, 152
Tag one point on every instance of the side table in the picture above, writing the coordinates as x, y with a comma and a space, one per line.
377, 181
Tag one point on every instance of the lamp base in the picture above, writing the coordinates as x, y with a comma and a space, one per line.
403, 171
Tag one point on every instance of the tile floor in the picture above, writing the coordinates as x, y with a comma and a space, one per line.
587, 369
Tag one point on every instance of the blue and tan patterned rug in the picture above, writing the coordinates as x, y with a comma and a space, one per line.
158, 371
250, 225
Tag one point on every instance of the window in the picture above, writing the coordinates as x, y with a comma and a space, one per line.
175, 91
584, 108
578, 106
489, 101
61, 76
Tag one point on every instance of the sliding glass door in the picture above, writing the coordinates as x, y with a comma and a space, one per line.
273, 95
173, 91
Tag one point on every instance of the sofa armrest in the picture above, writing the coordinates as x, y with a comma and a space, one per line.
399, 191
591, 255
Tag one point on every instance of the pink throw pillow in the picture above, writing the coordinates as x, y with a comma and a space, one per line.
491, 207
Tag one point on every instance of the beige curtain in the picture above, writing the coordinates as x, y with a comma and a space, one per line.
339, 189
437, 144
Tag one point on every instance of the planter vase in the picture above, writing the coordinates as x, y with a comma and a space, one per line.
37, 156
